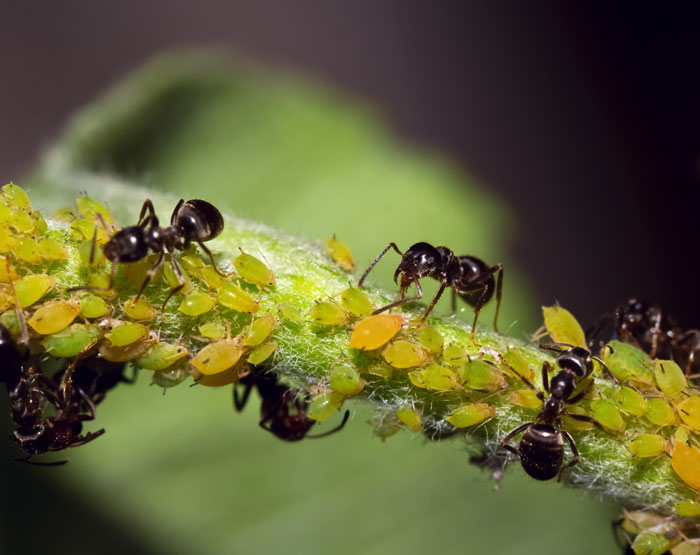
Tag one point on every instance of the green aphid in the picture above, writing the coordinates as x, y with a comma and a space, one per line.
431, 339
89, 208
648, 543
380, 369
525, 398
324, 406
196, 303
211, 277
482, 376
24, 222
212, 330
161, 356
85, 250
171, 378
126, 334
516, 366
10, 320
470, 414
51, 249
259, 330
435, 377
606, 413
40, 225
688, 508
6, 214
627, 363
404, 354
253, 270
234, 297
630, 401
139, 310
72, 341
192, 263
92, 306
32, 288
670, 379
356, 302
101, 281
562, 327
290, 313
387, 427
659, 412
16, 197
82, 230
262, 352
454, 355
648, 445
346, 379
327, 313
410, 418
173, 281
27, 250
7, 239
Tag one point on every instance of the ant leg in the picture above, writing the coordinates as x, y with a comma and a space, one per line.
454, 301
574, 450
112, 275
402, 300
477, 309
87, 438
211, 257
180, 278
605, 368
390, 246
546, 367
585, 418
334, 430
435, 299
93, 244
555, 347
26, 460
173, 217
152, 218
511, 435
149, 275
580, 395
499, 294
240, 403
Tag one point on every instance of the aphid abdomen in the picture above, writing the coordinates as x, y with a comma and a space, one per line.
541, 452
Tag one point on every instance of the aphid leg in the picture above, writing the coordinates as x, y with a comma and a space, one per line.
435, 299
390, 246
211, 258
402, 300
511, 435
240, 402
149, 275
180, 279
574, 450
334, 430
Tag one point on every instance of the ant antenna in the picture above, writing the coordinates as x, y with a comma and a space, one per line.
18, 309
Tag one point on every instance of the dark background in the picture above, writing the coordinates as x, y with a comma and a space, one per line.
584, 118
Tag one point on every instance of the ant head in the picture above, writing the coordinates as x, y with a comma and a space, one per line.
418, 261
199, 219
577, 360
128, 245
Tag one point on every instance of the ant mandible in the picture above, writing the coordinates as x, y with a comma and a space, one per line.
283, 409
469, 277
541, 449
192, 221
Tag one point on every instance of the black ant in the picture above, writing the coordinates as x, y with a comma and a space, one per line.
469, 277
192, 221
541, 449
96, 375
283, 409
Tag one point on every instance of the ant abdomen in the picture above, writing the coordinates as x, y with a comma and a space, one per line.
541, 451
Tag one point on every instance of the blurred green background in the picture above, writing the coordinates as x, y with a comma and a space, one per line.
185, 474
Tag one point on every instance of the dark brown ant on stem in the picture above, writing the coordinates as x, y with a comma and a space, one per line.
541, 449
283, 409
469, 277
192, 221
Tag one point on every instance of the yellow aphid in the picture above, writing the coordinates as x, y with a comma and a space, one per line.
648, 445
27, 250
435, 377
171, 278
136, 272
139, 310
128, 352
259, 330
328, 313
431, 338
290, 313
470, 414
92, 306
217, 357
685, 460
688, 508
127, 333
7, 240
161, 356
606, 413
31, 288
526, 398
236, 298
16, 197
630, 401
482, 376
404, 354
212, 331
253, 270
380, 369
345, 379
356, 302
211, 277
324, 406
375, 331
89, 208
454, 355
7, 273
232, 375
562, 327
670, 379
410, 418
196, 303
659, 412
51, 249
53, 317
340, 253
689, 411
516, 366
262, 352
